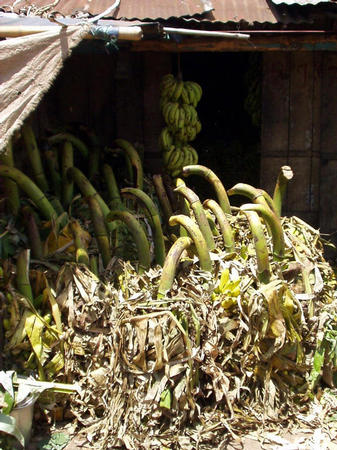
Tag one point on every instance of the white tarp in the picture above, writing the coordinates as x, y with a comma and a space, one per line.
28, 66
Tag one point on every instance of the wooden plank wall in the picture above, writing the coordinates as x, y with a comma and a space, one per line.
299, 129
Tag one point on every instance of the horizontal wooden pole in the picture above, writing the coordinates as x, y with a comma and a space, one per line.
279, 42
133, 33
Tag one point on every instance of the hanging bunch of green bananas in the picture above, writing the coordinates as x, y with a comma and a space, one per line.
178, 102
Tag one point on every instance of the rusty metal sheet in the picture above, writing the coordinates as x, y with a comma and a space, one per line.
250, 11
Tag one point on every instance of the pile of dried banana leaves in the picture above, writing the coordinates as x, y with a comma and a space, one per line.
220, 355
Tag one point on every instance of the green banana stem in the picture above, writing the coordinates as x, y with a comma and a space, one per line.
67, 163
158, 237
93, 265
246, 190
88, 190
55, 201
198, 239
81, 253
162, 196
285, 175
171, 264
226, 229
269, 201
138, 234
183, 206
111, 183
134, 158
55, 177
210, 176
260, 243
76, 142
275, 226
211, 223
199, 214
22, 274
11, 188
34, 156
100, 229
33, 234
30, 188
129, 169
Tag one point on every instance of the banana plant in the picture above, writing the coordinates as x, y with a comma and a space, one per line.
274, 225
198, 239
100, 228
258, 196
75, 141
82, 256
134, 158
158, 237
226, 229
199, 213
33, 233
260, 244
11, 188
210, 176
138, 234
162, 196
285, 175
31, 189
171, 264
112, 187
22, 274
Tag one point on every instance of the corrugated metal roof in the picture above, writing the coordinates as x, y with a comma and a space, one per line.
301, 2
251, 11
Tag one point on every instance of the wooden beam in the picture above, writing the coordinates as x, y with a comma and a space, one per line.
280, 42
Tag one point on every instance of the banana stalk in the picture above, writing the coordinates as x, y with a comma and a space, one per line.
33, 234
198, 239
129, 169
57, 205
275, 227
11, 188
285, 175
260, 243
88, 190
134, 158
171, 264
210, 176
81, 253
211, 223
199, 214
22, 274
162, 196
93, 265
34, 156
55, 177
246, 190
101, 233
67, 183
226, 229
113, 191
158, 237
76, 142
138, 234
183, 206
30, 188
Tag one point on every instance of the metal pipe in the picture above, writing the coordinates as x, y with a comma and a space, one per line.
189, 32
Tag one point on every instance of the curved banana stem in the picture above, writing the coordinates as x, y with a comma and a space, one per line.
269, 201
171, 264
82, 256
138, 234
53, 169
34, 156
101, 233
93, 265
76, 142
183, 207
246, 190
260, 243
30, 188
67, 163
199, 214
134, 158
22, 274
285, 175
226, 229
211, 223
158, 237
128, 164
111, 184
210, 176
162, 196
198, 239
88, 190
11, 188
275, 226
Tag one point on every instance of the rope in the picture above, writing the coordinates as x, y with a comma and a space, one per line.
108, 34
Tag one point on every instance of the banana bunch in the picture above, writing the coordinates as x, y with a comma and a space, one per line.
178, 102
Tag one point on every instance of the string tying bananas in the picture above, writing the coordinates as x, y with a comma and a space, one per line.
177, 103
